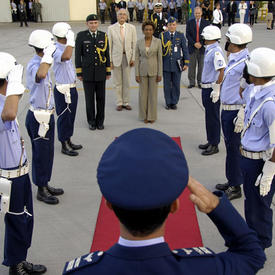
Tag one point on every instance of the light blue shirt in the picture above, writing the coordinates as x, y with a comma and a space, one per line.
131, 4
213, 61
257, 138
140, 6
179, 3
10, 143
165, 3
39, 92
64, 71
172, 5
231, 84
150, 5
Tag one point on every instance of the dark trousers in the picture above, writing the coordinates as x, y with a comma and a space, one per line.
171, 81
224, 15
252, 19
196, 58
131, 13
18, 231
150, 12
179, 12
232, 143
102, 16
258, 214
42, 150
212, 117
23, 18
140, 15
231, 18
172, 12
66, 114
113, 17
95, 91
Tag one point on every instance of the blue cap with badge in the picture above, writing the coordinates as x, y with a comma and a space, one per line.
142, 169
172, 19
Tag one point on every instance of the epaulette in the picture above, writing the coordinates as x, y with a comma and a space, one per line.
83, 261
193, 252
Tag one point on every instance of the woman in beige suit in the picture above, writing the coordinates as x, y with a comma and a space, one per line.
148, 72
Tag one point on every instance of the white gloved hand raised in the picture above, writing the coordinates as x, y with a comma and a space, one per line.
215, 94
70, 38
15, 86
266, 177
48, 54
239, 121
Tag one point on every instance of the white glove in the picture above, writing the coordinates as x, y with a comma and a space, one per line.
215, 94
239, 121
15, 86
48, 54
165, 28
70, 38
266, 177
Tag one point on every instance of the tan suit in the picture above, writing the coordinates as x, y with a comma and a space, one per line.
121, 56
148, 66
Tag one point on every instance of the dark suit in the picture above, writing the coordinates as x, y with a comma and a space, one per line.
196, 55
159, 23
231, 10
121, 5
92, 62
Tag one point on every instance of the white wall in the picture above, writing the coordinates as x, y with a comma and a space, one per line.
55, 10
5, 13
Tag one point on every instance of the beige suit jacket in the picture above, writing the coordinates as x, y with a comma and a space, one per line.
115, 43
151, 63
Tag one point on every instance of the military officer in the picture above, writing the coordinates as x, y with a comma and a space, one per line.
258, 142
238, 36
102, 6
160, 20
92, 63
212, 76
175, 60
141, 248
131, 6
65, 93
40, 121
15, 185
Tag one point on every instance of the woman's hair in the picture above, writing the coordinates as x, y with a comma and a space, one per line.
148, 23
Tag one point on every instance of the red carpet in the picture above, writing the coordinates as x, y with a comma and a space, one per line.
182, 229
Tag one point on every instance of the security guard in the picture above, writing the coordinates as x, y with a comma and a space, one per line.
258, 142
160, 20
40, 117
15, 185
212, 76
175, 60
142, 202
238, 36
102, 6
65, 93
92, 63
131, 6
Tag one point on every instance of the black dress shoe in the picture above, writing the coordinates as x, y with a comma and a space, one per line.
168, 106
191, 86
18, 270
92, 127
100, 127
74, 146
211, 149
203, 146
222, 186
66, 150
233, 192
55, 191
44, 195
34, 268
174, 107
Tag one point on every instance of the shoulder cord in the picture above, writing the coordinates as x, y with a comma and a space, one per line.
99, 51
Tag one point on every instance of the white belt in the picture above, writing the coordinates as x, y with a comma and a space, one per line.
48, 111
10, 174
206, 85
232, 107
72, 85
251, 155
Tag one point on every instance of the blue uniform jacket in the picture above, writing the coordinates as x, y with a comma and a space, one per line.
174, 51
244, 254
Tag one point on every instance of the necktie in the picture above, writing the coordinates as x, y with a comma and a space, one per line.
172, 36
122, 35
93, 35
198, 31
220, 17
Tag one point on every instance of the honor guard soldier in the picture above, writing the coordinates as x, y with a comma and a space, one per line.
175, 60
65, 93
238, 36
112, 9
258, 142
15, 185
131, 6
160, 20
102, 6
140, 7
212, 76
142, 205
150, 8
40, 121
92, 63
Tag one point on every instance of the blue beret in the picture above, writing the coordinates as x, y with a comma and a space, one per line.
92, 17
172, 19
142, 169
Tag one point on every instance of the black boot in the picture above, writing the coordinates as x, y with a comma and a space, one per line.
55, 191
74, 146
222, 186
44, 195
67, 150
211, 149
204, 146
233, 192
34, 268
18, 270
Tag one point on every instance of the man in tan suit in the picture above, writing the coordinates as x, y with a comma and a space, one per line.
122, 43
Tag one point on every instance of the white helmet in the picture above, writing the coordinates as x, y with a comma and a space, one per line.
211, 33
40, 39
261, 63
60, 29
7, 63
239, 34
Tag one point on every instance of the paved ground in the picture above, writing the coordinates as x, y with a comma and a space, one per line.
65, 231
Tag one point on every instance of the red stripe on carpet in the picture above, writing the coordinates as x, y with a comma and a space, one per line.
182, 228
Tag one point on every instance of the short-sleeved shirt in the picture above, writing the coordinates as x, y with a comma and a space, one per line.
172, 5
179, 3
140, 6
165, 3
150, 6
102, 5
64, 71
131, 4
